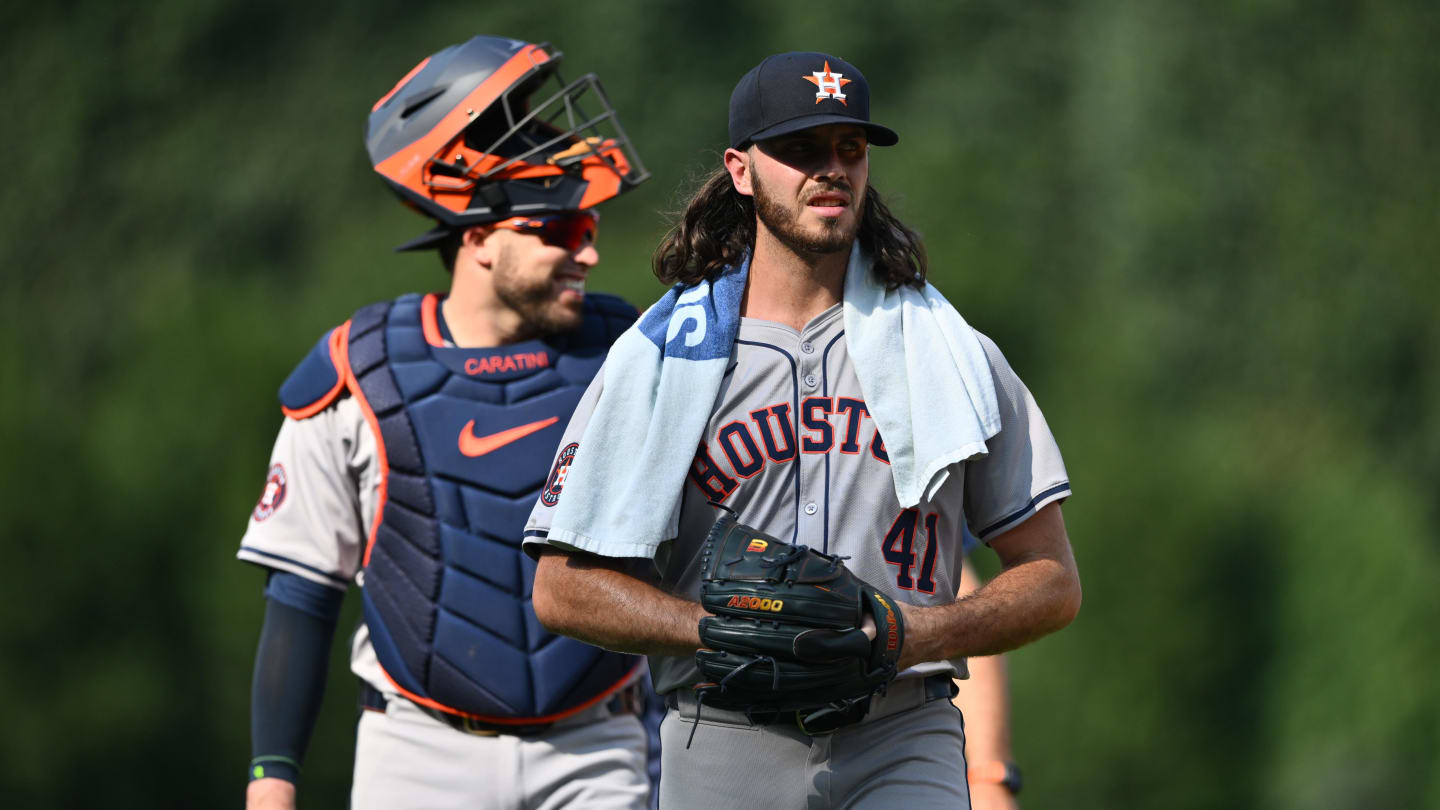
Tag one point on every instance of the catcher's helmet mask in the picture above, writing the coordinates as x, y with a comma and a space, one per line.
460, 139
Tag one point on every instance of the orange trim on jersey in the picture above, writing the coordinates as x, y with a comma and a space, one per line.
824, 427
429, 324
853, 422
873, 440
382, 487
516, 721
336, 352
757, 458
761, 418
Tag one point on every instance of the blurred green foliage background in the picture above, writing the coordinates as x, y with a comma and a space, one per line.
1205, 234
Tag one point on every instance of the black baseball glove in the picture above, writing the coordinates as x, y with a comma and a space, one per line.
786, 635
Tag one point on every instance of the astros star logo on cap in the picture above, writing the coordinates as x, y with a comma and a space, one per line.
829, 84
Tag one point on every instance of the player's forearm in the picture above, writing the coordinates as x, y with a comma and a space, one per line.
289, 679
587, 598
1021, 604
1036, 593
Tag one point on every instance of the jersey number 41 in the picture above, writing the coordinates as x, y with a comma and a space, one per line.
899, 550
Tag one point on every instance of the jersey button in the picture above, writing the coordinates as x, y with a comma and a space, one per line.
811, 508
808, 348
811, 380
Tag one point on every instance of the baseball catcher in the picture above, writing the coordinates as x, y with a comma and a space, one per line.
410, 431
789, 630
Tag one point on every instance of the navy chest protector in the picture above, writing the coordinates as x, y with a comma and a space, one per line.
466, 437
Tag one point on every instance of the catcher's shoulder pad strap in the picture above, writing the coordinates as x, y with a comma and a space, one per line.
318, 380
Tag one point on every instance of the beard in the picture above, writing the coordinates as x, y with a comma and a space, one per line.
533, 299
833, 236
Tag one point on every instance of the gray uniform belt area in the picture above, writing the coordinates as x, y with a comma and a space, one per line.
629, 700
903, 694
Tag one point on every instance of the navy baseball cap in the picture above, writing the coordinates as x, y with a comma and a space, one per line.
789, 92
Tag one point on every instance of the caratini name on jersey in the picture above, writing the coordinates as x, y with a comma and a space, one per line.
522, 361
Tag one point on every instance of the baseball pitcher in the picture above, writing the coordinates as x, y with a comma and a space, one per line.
766, 488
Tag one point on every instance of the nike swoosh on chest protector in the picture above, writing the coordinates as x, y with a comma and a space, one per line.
473, 446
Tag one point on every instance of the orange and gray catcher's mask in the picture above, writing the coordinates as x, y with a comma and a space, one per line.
467, 138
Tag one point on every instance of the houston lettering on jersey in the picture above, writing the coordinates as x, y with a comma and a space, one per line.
742, 448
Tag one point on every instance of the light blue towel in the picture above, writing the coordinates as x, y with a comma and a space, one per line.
938, 406
662, 377
660, 380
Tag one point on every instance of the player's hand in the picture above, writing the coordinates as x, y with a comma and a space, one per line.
270, 794
992, 796
868, 627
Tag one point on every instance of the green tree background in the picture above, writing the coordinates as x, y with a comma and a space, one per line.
1205, 233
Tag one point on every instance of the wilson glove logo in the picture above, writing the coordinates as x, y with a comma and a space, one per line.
756, 603
892, 630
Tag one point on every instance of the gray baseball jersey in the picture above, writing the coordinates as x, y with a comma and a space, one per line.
792, 448
317, 509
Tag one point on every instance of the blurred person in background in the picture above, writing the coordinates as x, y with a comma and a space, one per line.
983, 698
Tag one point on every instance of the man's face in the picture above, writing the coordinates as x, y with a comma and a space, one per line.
809, 186
540, 274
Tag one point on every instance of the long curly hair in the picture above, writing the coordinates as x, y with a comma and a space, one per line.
717, 229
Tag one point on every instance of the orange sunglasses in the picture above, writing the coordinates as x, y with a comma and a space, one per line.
569, 231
